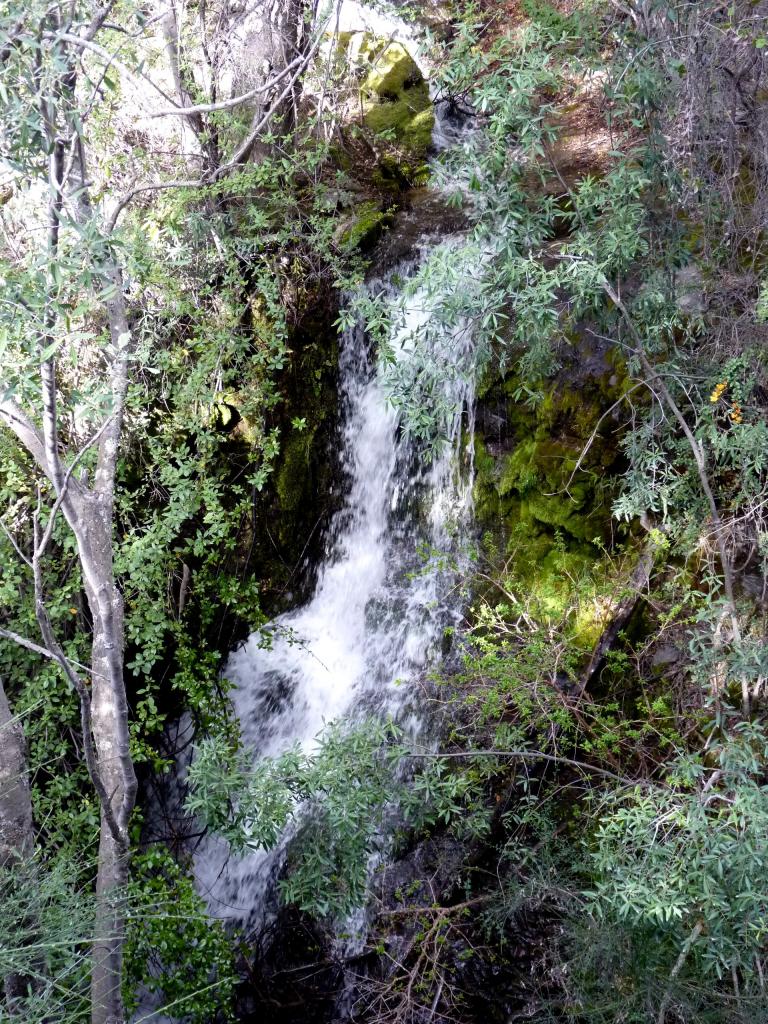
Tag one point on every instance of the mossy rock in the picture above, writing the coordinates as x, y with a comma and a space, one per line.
539, 472
542, 489
303, 489
364, 227
395, 95
293, 470
543, 486
224, 416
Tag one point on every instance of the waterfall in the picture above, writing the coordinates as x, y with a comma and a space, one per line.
378, 615
385, 591
375, 625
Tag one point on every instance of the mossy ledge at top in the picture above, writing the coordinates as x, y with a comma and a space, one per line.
394, 94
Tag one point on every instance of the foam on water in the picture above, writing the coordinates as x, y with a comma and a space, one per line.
378, 613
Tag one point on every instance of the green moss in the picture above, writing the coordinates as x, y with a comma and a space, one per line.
553, 580
392, 174
396, 98
556, 457
407, 124
224, 416
292, 474
542, 493
542, 474
366, 227
300, 487
486, 495
563, 582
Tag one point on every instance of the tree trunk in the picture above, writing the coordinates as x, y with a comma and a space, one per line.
195, 130
16, 836
109, 716
109, 711
17, 840
283, 39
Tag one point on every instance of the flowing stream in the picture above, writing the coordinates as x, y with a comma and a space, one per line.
381, 605
376, 622
386, 589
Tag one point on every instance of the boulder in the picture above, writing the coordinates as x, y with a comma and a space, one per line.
394, 93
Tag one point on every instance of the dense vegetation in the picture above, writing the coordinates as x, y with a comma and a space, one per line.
189, 201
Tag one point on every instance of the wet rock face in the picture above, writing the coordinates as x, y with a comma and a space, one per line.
424, 214
290, 974
436, 949
291, 514
396, 98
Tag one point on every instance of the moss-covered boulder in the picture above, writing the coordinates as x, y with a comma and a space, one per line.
363, 227
544, 482
393, 92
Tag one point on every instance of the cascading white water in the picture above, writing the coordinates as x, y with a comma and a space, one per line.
377, 618
378, 613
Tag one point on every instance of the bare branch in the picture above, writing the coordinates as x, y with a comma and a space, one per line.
698, 928
130, 196
529, 755
87, 44
29, 645
236, 101
244, 149
98, 20
26, 431
14, 545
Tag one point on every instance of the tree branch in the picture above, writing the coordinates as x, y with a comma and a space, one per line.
98, 20
679, 964
529, 755
61, 497
244, 149
84, 43
236, 101
29, 435
29, 645
130, 196
701, 469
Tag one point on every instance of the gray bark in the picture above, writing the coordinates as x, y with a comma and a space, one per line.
272, 37
16, 835
260, 53
16, 839
185, 87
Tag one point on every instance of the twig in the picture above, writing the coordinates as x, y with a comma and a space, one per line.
701, 469
530, 755
236, 101
679, 964
130, 196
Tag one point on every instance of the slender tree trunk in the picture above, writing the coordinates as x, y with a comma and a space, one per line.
93, 529
194, 129
285, 38
90, 516
16, 836
109, 715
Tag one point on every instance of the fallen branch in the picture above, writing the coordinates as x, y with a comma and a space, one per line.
635, 586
